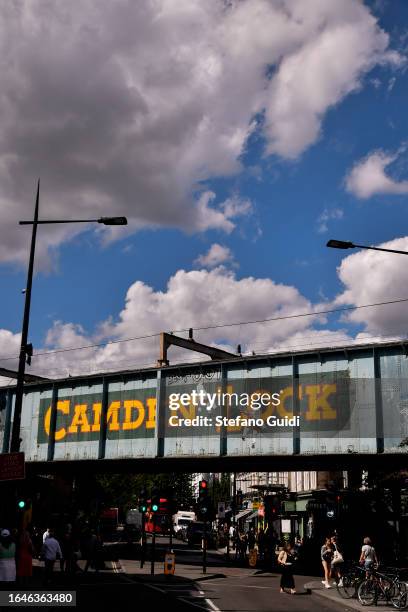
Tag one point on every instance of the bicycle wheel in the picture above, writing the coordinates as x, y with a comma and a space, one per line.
349, 588
399, 597
367, 592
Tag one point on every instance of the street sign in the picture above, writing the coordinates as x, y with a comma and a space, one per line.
12, 466
221, 510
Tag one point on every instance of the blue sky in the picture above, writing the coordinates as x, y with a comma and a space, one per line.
296, 201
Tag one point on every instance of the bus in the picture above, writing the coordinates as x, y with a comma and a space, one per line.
160, 521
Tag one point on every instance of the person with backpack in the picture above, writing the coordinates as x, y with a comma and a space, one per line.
326, 555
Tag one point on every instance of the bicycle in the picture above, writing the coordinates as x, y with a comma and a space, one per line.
385, 586
350, 581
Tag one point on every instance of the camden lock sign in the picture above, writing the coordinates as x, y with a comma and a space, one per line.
132, 413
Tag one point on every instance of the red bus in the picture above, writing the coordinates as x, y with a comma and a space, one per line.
160, 521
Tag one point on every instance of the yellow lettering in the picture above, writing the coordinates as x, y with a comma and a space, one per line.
63, 406
129, 406
151, 413
80, 420
188, 412
97, 409
281, 408
112, 417
318, 405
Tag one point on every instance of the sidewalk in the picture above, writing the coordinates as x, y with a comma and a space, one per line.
317, 588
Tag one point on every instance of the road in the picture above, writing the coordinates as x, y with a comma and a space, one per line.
261, 594
122, 586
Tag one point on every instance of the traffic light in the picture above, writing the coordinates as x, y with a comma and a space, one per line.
21, 504
172, 504
240, 499
203, 501
155, 501
272, 504
143, 501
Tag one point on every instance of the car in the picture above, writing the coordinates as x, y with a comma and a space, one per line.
195, 534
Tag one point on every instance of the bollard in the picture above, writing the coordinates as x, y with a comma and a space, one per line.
169, 563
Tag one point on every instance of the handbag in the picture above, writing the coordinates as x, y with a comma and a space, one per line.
337, 557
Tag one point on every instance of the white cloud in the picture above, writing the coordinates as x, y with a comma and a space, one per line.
321, 72
129, 108
327, 215
371, 277
216, 255
368, 177
192, 299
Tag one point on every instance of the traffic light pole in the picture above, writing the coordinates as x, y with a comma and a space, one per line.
153, 544
143, 548
205, 548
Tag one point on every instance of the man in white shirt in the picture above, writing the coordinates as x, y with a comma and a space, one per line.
51, 551
46, 534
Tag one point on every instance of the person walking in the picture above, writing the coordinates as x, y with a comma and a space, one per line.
326, 555
368, 556
51, 551
24, 556
7, 557
46, 534
286, 559
261, 544
251, 539
92, 550
336, 562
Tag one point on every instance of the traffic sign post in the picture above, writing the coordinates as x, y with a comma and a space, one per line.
205, 548
153, 544
143, 543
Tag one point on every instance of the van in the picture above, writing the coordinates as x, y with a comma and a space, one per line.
181, 520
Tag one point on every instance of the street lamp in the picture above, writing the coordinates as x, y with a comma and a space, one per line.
342, 244
25, 348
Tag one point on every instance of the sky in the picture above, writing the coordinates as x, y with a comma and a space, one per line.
237, 138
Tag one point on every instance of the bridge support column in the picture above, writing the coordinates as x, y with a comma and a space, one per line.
160, 414
379, 415
7, 424
53, 423
224, 409
104, 416
295, 405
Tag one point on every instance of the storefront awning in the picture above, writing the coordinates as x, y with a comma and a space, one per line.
242, 514
252, 516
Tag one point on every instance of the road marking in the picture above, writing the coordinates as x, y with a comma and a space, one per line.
209, 603
212, 605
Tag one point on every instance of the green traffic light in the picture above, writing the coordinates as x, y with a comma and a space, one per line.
21, 504
155, 508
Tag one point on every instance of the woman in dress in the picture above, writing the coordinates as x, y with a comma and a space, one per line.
326, 555
286, 560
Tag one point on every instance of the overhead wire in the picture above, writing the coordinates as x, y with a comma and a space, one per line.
216, 326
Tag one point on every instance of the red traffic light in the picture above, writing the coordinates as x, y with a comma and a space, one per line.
203, 484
